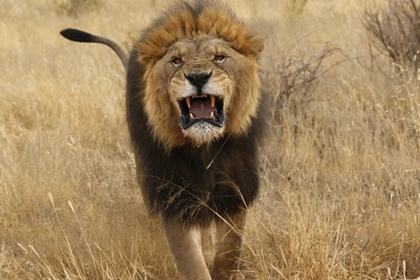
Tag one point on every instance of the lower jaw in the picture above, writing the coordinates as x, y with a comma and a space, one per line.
187, 122
203, 133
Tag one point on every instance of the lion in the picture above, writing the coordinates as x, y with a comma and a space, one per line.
195, 115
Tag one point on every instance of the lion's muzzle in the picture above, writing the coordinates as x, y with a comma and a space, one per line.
201, 107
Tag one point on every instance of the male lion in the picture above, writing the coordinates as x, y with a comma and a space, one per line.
195, 120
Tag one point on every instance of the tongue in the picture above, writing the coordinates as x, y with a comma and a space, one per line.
201, 108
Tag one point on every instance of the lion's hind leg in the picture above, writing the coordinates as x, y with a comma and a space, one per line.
185, 245
229, 241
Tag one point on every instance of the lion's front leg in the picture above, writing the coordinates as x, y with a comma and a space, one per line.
185, 246
229, 242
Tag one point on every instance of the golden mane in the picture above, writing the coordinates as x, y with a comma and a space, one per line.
185, 21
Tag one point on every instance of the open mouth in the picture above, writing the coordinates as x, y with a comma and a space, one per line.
199, 108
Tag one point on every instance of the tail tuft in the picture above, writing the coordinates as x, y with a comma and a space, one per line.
77, 35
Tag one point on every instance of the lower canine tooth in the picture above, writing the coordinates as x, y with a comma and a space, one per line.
211, 115
192, 116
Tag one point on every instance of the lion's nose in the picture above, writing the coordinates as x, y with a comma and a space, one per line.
199, 79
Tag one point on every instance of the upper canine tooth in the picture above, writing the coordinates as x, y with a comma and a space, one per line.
213, 100
188, 100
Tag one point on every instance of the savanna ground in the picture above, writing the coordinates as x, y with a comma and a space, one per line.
340, 170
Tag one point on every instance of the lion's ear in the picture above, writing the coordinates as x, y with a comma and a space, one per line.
241, 38
257, 46
248, 44
154, 48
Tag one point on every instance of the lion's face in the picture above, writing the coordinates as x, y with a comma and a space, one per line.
198, 85
201, 82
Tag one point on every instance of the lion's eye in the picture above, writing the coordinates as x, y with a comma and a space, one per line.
219, 58
176, 61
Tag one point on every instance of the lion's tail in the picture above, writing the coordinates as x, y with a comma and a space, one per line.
84, 37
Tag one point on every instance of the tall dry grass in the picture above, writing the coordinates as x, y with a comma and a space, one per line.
340, 169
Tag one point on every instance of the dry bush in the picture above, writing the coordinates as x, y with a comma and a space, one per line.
394, 31
293, 75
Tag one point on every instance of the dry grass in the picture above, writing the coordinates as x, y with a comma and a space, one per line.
341, 171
